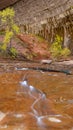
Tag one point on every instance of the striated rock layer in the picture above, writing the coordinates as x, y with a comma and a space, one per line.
30, 11
6, 3
35, 10
45, 17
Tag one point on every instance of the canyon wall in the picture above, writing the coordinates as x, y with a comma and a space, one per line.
45, 18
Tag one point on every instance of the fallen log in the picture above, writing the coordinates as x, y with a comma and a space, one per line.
45, 70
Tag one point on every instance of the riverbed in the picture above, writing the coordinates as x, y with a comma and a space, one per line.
22, 109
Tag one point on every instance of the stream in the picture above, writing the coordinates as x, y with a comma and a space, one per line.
35, 100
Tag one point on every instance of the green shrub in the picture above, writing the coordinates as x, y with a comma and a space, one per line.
2, 32
3, 47
40, 38
13, 52
65, 52
56, 48
8, 36
7, 20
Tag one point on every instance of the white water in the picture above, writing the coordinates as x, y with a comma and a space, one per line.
40, 106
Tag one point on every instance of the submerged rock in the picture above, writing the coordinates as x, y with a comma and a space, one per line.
2, 116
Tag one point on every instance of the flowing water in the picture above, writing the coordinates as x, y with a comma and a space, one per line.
33, 100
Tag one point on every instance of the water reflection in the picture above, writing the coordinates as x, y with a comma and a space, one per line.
40, 106
26, 101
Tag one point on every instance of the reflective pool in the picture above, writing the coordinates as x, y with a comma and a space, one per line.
34, 100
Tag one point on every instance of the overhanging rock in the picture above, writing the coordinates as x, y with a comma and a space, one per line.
45, 17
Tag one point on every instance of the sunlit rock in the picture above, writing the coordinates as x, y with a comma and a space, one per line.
3, 126
19, 115
54, 119
2, 116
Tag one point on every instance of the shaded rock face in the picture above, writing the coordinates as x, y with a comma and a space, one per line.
37, 12
45, 17
6, 3
34, 11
